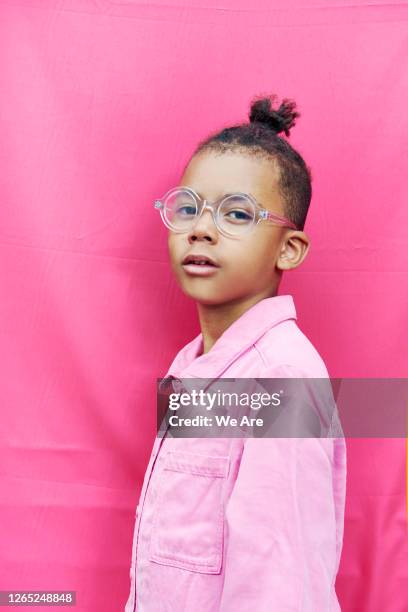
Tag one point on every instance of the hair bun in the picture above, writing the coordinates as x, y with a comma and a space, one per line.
280, 120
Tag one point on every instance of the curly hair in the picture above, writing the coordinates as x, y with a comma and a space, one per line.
260, 137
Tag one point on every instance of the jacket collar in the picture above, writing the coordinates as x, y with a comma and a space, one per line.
234, 341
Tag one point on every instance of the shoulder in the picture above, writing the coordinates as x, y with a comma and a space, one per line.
285, 351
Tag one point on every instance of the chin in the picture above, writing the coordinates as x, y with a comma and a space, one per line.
203, 297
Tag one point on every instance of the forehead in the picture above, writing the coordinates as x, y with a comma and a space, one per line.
212, 175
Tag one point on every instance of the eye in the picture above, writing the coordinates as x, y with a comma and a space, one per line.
185, 210
237, 210
238, 215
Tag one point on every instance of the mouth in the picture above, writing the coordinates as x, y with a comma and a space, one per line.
200, 265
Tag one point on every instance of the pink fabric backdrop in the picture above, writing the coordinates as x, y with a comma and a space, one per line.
101, 105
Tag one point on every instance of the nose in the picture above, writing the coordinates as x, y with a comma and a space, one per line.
204, 227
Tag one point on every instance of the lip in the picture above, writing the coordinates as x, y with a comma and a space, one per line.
199, 256
199, 269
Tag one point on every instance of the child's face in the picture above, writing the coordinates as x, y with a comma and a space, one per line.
250, 267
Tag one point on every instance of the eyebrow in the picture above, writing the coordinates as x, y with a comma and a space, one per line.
223, 196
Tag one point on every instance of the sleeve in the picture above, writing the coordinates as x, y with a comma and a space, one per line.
284, 525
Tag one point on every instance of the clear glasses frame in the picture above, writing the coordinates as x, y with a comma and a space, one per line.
261, 213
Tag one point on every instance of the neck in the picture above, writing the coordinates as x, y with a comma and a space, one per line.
216, 318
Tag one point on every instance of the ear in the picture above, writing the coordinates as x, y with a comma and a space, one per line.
294, 249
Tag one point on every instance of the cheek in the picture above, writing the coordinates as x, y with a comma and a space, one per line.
253, 255
174, 247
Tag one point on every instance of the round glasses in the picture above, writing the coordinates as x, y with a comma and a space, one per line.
234, 214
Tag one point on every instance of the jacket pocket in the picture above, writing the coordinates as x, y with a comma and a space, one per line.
188, 524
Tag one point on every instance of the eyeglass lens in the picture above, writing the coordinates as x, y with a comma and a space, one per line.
235, 213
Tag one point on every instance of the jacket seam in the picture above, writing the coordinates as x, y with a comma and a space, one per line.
299, 528
261, 355
300, 372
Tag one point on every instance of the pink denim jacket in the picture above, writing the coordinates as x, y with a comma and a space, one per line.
242, 524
